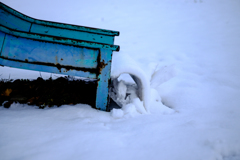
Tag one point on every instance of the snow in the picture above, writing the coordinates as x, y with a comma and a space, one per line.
124, 64
187, 51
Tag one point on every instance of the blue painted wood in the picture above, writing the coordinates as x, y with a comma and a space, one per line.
73, 34
63, 40
45, 68
13, 22
102, 98
2, 36
39, 45
16, 48
59, 25
16, 20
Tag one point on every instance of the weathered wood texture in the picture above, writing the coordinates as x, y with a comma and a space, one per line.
53, 47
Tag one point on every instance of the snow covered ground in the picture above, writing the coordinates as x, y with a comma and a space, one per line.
189, 51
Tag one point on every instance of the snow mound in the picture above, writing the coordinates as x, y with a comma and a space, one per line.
117, 113
141, 97
125, 64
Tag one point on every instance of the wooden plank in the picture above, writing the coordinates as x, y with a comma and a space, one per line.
2, 37
44, 68
55, 24
58, 39
13, 22
73, 34
38, 51
102, 97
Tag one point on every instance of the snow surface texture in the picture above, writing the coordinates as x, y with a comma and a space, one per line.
188, 51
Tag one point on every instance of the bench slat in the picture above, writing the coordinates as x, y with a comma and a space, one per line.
45, 68
2, 37
58, 39
13, 22
73, 34
39, 51
60, 25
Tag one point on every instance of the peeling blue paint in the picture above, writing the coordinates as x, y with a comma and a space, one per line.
102, 98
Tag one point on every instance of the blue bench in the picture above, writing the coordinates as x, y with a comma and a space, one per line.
39, 45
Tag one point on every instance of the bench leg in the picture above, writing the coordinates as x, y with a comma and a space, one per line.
102, 98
